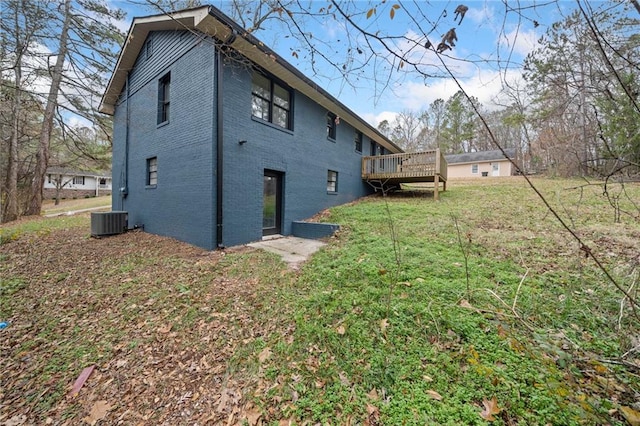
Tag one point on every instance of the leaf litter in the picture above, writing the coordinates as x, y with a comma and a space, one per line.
158, 350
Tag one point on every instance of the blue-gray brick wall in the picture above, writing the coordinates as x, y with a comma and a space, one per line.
182, 205
303, 155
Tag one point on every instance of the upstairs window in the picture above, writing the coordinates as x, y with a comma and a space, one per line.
164, 98
148, 48
358, 141
331, 125
270, 101
332, 181
152, 171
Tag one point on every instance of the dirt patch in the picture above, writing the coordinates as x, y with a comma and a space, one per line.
161, 320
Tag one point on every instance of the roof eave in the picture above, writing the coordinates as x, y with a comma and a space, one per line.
215, 23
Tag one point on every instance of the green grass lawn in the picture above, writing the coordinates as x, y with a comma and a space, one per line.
477, 308
419, 335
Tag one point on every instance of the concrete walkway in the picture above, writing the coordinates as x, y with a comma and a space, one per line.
293, 250
72, 212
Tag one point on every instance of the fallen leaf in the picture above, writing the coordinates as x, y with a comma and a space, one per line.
435, 395
384, 323
465, 304
16, 420
341, 330
490, 408
373, 394
374, 415
264, 355
80, 381
165, 328
344, 379
253, 416
98, 412
631, 416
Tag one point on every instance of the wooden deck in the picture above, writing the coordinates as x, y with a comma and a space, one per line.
388, 171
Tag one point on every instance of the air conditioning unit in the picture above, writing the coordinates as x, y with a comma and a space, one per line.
108, 223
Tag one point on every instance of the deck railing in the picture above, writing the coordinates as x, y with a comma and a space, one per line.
408, 165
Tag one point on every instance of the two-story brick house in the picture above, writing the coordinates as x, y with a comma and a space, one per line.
219, 141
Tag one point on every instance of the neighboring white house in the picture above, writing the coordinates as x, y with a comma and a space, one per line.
479, 164
68, 183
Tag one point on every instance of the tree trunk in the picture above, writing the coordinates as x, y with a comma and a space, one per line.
42, 157
11, 208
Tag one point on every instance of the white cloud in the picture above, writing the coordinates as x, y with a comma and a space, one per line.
78, 122
481, 16
521, 42
376, 118
484, 85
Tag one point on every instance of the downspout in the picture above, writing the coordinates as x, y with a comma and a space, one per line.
219, 147
124, 189
224, 45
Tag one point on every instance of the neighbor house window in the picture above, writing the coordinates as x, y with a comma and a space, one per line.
49, 178
78, 180
270, 101
148, 48
164, 97
103, 182
474, 169
152, 171
358, 141
332, 181
331, 125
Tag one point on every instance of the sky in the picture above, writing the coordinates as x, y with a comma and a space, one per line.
492, 43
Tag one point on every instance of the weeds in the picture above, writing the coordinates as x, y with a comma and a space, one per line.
546, 335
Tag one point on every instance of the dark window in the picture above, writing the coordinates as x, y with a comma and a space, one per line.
103, 182
78, 180
164, 97
270, 101
358, 141
152, 171
332, 181
49, 178
331, 125
373, 148
148, 48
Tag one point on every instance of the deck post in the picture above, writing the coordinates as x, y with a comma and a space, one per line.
436, 177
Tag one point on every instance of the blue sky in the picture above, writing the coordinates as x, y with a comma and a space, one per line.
491, 46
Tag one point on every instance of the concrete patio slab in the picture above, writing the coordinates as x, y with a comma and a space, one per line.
293, 250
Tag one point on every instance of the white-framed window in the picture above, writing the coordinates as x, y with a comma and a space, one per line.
332, 181
78, 180
474, 169
152, 171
